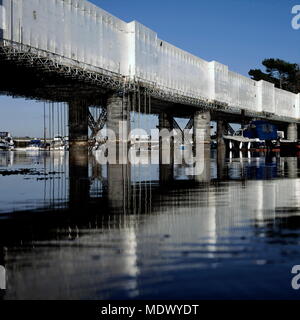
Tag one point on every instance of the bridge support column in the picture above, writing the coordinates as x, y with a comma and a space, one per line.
166, 148
292, 167
220, 133
243, 119
118, 125
202, 123
118, 172
118, 117
165, 121
78, 155
221, 147
292, 132
79, 184
204, 162
78, 126
119, 187
201, 147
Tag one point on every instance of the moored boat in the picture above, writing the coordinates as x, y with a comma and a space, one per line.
34, 145
261, 135
6, 141
59, 143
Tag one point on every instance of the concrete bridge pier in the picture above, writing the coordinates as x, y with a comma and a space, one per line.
221, 147
292, 167
118, 116
166, 173
165, 121
119, 187
118, 125
202, 164
202, 127
118, 168
78, 126
221, 130
202, 142
243, 119
79, 183
166, 148
292, 132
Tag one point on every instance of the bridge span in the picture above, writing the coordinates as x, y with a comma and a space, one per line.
73, 51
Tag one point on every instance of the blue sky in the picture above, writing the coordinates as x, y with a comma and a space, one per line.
239, 33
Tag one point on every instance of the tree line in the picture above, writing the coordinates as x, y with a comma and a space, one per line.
283, 74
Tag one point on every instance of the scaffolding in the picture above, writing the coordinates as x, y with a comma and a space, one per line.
62, 79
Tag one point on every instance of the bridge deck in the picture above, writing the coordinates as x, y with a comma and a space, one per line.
62, 50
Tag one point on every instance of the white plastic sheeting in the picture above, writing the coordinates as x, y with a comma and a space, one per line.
74, 29
78, 30
165, 65
266, 96
285, 103
242, 91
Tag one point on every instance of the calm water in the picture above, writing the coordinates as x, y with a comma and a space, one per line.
88, 231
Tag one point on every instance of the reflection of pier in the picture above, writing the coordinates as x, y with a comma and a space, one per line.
119, 186
129, 186
105, 241
79, 179
84, 179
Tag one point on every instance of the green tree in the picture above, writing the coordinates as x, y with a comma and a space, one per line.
283, 74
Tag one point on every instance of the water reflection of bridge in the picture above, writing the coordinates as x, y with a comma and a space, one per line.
133, 187
101, 240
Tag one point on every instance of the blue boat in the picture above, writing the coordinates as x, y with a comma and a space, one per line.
34, 145
261, 130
